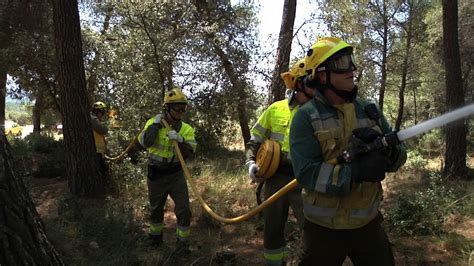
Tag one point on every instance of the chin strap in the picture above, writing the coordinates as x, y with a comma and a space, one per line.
346, 95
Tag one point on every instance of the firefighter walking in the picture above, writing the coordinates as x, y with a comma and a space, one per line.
165, 176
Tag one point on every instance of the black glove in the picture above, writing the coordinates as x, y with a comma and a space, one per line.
371, 166
366, 134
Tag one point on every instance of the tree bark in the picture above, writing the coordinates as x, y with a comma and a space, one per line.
23, 239
37, 109
383, 70
403, 82
455, 157
238, 84
84, 178
277, 86
3, 95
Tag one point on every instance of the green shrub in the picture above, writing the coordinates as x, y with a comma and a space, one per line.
423, 212
41, 143
46, 155
415, 160
20, 154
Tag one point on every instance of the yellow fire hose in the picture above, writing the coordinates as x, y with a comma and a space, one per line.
293, 184
124, 153
288, 187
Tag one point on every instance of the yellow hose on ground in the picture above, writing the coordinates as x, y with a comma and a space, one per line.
293, 184
125, 152
288, 187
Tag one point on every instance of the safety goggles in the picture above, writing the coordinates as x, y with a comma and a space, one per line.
340, 64
178, 109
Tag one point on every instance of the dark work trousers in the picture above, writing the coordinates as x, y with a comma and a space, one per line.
367, 245
103, 167
276, 215
159, 187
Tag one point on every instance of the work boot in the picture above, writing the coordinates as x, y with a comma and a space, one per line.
182, 248
156, 240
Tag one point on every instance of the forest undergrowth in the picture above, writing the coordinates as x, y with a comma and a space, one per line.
430, 221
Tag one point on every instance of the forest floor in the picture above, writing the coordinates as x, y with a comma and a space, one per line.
213, 243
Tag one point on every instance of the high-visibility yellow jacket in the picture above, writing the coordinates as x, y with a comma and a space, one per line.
162, 150
273, 124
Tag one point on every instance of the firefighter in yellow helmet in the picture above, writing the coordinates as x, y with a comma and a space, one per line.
165, 176
341, 197
100, 130
273, 124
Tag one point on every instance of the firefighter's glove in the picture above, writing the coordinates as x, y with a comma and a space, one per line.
253, 169
157, 119
373, 165
173, 135
370, 167
340, 184
366, 134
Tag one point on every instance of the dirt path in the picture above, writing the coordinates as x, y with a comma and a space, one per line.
241, 244
221, 244
45, 192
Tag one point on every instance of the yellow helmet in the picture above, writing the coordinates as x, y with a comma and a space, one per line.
175, 96
320, 52
99, 105
297, 71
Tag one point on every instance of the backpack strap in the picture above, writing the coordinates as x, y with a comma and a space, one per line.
371, 111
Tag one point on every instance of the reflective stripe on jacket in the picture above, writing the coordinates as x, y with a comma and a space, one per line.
273, 124
162, 149
321, 132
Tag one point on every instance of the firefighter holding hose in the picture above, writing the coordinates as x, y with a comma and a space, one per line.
165, 176
341, 197
274, 124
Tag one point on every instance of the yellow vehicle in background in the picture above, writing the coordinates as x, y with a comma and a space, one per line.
15, 130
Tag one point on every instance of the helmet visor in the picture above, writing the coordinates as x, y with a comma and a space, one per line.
341, 64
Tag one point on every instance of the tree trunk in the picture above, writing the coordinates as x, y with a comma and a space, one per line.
37, 111
3, 95
415, 107
23, 239
163, 66
84, 178
383, 70
277, 86
403, 83
237, 85
455, 157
